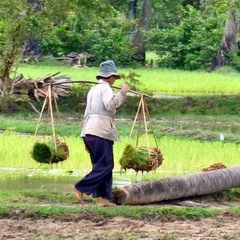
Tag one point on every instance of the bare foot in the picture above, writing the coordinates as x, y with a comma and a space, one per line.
79, 195
101, 202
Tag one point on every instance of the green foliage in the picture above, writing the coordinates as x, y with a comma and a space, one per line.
235, 59
222, 6
18, 21
192, 44
13, 103
107, 40
167, 13
63, 40
115, 46
50, 196
132, 80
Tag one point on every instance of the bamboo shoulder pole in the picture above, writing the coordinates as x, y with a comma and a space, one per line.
138, 93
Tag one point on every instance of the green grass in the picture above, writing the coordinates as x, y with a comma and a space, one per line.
36, 196
37, 211
150, 55
141, 212
40, 203
157, 81
204, 128
28, 126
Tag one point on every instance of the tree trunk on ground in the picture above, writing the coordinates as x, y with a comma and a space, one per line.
139, 41
229, 42
179, 187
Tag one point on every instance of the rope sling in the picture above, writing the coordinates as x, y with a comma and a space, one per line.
49, 149
142, 158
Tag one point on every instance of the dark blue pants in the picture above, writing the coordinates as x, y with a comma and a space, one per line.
99, 181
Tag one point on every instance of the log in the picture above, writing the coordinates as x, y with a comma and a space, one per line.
178, 187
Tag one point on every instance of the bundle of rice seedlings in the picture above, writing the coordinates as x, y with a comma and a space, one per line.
43, 151
137, 158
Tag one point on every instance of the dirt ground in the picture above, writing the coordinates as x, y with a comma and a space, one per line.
94, 227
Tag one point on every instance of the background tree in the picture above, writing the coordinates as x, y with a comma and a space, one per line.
15, 24
32, 48
132, 10
104, 34
139, 41
21, 19
18, 21
167, 13
229, 43
190, 45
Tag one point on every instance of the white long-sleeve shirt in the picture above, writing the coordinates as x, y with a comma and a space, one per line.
100, 111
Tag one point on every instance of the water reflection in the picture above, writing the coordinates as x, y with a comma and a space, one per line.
56, 180
63, 180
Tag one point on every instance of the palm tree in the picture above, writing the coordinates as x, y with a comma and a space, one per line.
179, 186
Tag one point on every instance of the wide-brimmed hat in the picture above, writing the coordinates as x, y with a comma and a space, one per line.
108, 69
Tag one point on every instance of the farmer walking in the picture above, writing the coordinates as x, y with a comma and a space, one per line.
99, 134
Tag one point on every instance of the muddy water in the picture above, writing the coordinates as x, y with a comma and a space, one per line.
56, 180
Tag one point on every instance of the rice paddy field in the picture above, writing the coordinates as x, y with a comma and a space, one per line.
189, 143
189, 153
181, 156
154, 80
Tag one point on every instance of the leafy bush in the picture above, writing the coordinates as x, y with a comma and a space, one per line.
192, 44
13, 103
105, 40
62, 42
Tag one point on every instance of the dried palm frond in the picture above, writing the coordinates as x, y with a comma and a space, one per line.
39, 87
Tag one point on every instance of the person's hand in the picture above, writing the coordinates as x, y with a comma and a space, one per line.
125, 88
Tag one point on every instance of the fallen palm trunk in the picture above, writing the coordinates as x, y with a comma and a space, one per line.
179, 187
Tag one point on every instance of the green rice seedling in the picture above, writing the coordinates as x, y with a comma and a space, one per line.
44, 151
140, 158
133, 156
181, 156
